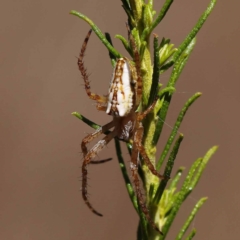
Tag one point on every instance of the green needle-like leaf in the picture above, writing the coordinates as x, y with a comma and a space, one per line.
180, 63
112, 57
172, 157
161, 118
86, 120
125, 44
194, 31
159, 18
176, 127
204, 161
141, 234
190, 37
161, 14
168, 169
178, 67
190, 218
156, 71
143, 224
169, 90
175, 180
125, 176
191, 235
185, 55
98, 33
163, 42
126, 4
187, 186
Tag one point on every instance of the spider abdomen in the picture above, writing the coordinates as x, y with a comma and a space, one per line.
121, 90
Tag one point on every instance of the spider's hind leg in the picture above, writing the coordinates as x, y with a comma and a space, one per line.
143, 114
100, 161
141, 149
134, 171
91, 154
83, 70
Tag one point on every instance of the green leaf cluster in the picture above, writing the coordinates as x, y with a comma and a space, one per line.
163, 201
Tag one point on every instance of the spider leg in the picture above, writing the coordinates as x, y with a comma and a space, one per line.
101, 107
92, 136
134, 171
89, 156
142, 115
138, 141
83, 70
100, 161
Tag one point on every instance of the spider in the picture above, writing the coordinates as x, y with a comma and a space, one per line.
122, 101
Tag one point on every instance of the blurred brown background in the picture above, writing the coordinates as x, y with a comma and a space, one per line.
40, 140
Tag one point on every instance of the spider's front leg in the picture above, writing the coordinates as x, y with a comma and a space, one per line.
83, 70
91, 154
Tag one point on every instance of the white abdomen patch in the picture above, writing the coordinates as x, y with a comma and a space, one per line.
121, 92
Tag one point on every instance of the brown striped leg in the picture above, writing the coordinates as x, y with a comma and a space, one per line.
90, 155
100, 161
138, 141
83, 70
92, 136
134, 171
142, 115
88, 139
101, 108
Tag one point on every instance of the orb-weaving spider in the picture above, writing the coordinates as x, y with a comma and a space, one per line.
122, 102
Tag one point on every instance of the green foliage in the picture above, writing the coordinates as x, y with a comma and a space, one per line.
164, 201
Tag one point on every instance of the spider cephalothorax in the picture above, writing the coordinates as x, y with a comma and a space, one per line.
122, 101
